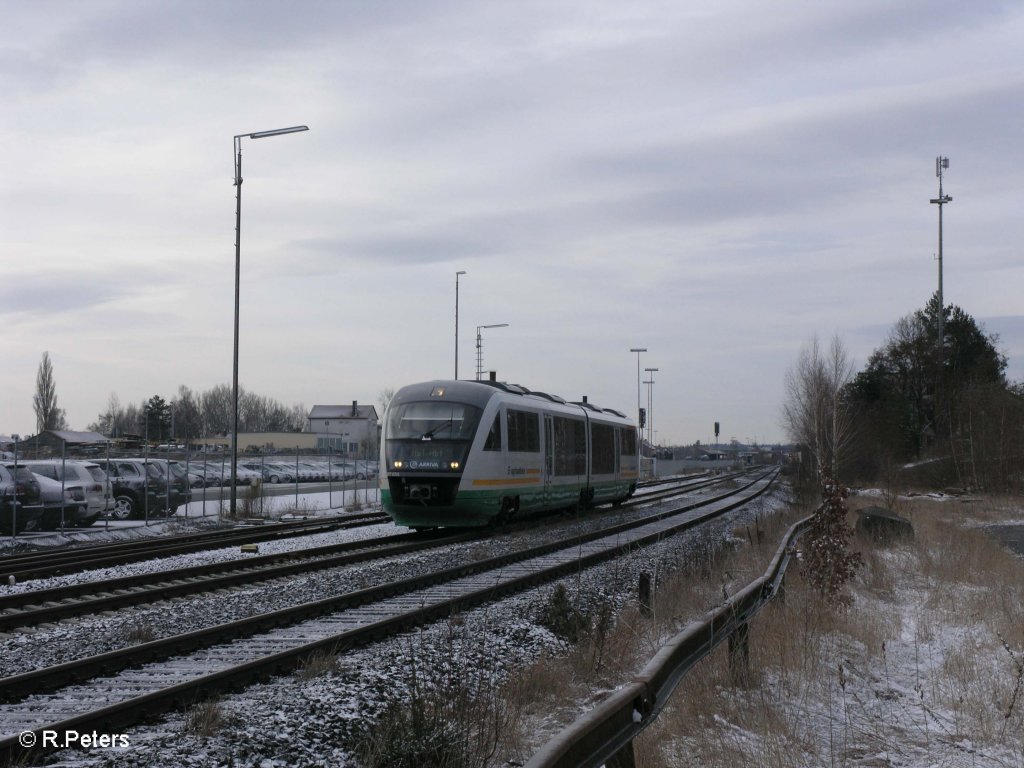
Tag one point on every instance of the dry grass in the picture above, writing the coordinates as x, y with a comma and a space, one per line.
204, 719
915, 670
319, 664
140, 632
924, 667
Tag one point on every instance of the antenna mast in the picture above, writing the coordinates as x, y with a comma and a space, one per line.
941, 163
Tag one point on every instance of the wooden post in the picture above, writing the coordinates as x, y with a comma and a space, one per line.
645, 593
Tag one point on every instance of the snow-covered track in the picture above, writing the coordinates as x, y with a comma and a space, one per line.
111, 703
32, 607
23, 609
37, 565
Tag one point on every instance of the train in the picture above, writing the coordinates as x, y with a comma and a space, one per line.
476, 453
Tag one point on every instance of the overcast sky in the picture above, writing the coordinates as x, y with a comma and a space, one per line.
714, 181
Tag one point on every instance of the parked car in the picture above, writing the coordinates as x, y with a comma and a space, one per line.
366, 469
177, 490
278, 472
137, 487
267, 473
195, 479
342, 470
21, 506
62, 503
210, 473
87, 474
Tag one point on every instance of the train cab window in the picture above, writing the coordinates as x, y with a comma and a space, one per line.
437, 420
493, 442
523, 431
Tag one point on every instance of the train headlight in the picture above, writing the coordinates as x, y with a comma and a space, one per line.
454, 465
397, 464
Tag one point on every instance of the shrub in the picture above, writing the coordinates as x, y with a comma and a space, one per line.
826, 561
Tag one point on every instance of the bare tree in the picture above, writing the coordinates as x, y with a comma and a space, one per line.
188, 420
815, 413
218, 408
385, 398
44, 401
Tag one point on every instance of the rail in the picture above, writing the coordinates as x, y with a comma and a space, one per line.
605, 734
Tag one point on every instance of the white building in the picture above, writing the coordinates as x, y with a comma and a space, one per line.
347, 429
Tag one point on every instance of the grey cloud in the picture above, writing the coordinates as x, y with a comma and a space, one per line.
392, 249
62, 291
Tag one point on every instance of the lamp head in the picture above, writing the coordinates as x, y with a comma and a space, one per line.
277, 132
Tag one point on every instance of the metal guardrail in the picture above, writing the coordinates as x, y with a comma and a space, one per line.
606, 733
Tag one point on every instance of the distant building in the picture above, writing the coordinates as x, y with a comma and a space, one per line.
53, 442
257, 442
347, 429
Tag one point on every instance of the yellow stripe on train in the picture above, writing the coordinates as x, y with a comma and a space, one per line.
508, 481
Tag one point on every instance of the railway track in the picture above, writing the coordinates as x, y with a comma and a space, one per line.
33, 607
104, 693
43, 564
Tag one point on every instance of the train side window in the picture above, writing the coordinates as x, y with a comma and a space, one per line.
570, 449
602, 441
523, 431
493, 442
628, 442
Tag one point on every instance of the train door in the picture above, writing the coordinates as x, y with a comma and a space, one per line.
549, 455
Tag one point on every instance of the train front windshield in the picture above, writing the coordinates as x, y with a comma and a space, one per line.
430, 435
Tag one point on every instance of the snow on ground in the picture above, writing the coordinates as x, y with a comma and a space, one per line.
312, 504
881, 701
292, 721
915, 674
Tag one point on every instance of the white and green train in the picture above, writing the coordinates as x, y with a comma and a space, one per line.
472, 453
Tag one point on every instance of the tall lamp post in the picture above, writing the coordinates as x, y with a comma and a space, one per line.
460, 272
480, 347
640, 429
238, 270
650, 405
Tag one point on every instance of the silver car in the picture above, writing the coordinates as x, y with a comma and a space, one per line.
87, 474
63, 502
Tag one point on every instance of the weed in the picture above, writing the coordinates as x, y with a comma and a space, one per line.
563, 618
319, 664
140, 632
204, 719
452, 715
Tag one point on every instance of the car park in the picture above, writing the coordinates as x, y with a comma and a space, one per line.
247, 475
278, 472
364, 469
267, 473
137, 487
86, 474
21, 506
63, 504
177, 490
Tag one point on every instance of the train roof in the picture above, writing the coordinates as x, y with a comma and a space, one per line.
479, 392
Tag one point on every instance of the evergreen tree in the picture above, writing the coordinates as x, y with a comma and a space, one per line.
157, 419
917, 398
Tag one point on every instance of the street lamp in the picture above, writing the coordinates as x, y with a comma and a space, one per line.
238, 270
638, 350
460, 272
650, 406
480, 347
